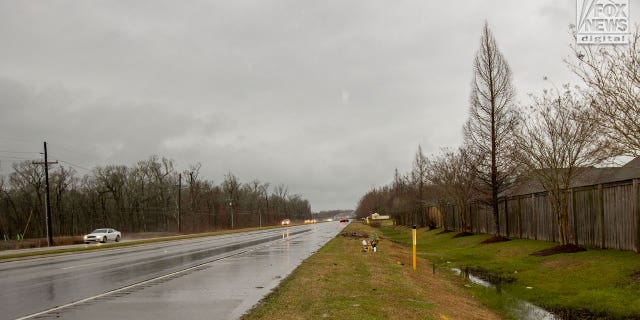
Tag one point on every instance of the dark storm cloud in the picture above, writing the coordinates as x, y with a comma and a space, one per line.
327, 97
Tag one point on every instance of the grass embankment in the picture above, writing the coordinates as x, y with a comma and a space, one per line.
342, 282
595, 284
8, 255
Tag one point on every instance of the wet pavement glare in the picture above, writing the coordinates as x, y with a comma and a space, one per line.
222, 289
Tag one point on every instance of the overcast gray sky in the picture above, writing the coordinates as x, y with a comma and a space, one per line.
326, 97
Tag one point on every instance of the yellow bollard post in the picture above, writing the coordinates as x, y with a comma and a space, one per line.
414, 247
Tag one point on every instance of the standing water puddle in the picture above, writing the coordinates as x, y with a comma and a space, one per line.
525, 310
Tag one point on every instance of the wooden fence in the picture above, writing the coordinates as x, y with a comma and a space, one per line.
603, 216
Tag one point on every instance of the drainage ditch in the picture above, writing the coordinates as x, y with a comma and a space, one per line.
522, 309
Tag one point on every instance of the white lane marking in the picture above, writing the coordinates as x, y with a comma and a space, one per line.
79, 266
250, 249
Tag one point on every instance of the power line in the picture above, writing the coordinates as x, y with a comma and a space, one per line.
15, 158
73, 165
11, 151
60, 146
31, 142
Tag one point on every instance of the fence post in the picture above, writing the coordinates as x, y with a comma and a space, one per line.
486, 220
636, 208
554, 219
453, 214
601, 209
506, 216
520, 217
470, 217
575, 216
533, 216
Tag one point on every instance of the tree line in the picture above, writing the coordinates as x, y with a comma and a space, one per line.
150, 196
551, 141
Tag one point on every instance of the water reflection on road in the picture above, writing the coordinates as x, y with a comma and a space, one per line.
224, 288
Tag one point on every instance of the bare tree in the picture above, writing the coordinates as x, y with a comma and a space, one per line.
556, 145
612, 74
195, 193
401, 198
488, 132
133, 199
454, 174
111, 181
279, 196
419, 172
28, 179
231, 187
419, 177
62, 180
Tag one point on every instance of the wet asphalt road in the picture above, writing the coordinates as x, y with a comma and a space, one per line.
218, 277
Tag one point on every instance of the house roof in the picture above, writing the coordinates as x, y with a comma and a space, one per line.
589, 176
635, 163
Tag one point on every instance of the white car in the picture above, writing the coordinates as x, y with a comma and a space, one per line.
285, 222
103, 235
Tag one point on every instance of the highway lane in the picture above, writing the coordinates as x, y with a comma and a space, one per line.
116, 275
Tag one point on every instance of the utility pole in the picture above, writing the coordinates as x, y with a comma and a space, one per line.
47, 208
231, 206
192, 202
231, 209
179, 200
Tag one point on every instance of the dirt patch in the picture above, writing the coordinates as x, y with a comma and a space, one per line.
565, 248
374, 224
565, 263
495, 239
354, 235
444, 232
463, 234
635, 276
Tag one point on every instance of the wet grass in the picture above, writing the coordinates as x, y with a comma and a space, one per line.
342, 282
595, 284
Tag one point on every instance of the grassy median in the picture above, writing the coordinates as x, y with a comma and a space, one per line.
342, 282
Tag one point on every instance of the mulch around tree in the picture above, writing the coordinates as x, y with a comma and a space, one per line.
463, 234
495, 239
443, 232
565, 248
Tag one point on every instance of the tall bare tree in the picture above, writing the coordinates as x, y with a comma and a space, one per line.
419, 172
556, 144
612, 74
488, 132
